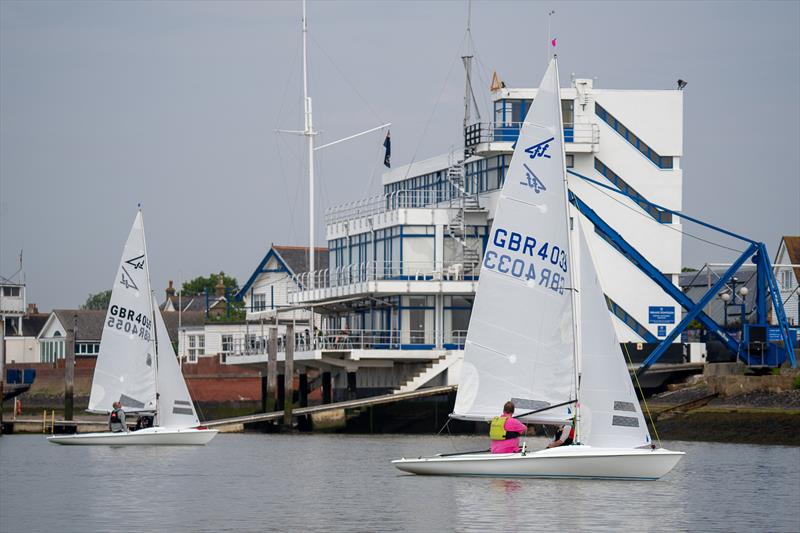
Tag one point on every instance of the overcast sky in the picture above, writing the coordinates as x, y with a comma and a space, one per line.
175, 105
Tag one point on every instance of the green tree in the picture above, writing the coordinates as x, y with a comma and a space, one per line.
199, 284
98, 301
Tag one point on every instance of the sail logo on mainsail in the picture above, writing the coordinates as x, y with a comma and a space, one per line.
532, 180
127, 280
137, 262
540, 150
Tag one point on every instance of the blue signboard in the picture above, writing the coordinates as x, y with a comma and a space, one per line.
662, 331
662, 314
774, 333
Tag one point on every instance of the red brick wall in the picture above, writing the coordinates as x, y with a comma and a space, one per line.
208, 381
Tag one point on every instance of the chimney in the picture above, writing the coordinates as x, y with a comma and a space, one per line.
220, 286
170, 291
32, 309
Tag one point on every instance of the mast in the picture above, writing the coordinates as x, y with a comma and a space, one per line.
571, 255
154, 338
309, 133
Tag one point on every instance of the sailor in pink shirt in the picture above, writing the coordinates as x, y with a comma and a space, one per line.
505, 431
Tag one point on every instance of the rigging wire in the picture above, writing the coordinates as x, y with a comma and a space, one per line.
637, 211
644, 401
352, 86
433, 111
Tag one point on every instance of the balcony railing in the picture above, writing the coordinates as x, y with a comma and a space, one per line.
487, 132
346, 340
403, 199
385, 271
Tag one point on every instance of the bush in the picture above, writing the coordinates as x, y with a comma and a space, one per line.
797, 382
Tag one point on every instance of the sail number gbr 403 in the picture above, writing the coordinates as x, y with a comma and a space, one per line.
533, 261
129, 321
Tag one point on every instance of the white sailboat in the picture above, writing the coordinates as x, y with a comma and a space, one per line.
137, 365
540, 333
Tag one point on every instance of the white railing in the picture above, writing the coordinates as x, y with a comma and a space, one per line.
402, 199
385, 270
345, 340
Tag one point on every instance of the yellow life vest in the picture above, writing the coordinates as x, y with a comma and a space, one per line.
497, 429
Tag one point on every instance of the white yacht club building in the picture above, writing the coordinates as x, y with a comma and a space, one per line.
402, 267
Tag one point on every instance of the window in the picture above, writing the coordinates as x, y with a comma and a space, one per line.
87, 348
227, 343
570, 161
786, 280
197, 347
259, 301
11, 291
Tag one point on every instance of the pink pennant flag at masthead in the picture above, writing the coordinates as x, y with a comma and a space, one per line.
553, 42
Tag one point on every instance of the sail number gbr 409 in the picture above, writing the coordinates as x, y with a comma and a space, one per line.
129, 321
540, 262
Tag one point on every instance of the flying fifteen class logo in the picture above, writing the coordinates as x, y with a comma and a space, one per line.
539, 150
127, 280
532, 180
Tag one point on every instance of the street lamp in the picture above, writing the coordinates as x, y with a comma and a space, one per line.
728, 297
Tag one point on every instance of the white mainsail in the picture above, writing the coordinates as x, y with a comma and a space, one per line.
610, 415
125, 369
175, 407
520, 345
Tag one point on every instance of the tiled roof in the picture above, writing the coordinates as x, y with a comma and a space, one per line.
89, 322
793, 251
296, 257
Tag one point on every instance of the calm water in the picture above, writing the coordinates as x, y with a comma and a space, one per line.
345, 483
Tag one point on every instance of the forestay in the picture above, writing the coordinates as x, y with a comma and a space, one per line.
175, 408
610, 415
520, 343
125, 369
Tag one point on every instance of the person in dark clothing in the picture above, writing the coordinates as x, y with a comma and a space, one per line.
116, 421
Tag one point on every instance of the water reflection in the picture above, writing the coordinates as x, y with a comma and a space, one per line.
345, 483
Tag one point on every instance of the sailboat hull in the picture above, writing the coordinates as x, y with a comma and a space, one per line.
150, 436
581, 462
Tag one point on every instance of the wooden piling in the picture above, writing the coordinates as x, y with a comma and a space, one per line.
352, 388
327, 397
288, 376
303, 383
2, 367
69, 369
272, 365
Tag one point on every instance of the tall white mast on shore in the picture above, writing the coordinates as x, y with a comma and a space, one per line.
309, 133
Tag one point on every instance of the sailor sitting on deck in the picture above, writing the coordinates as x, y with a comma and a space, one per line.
505, 431
116, 421
564, 436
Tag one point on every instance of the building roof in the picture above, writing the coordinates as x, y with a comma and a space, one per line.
89, 325
293, 258
32, 324
297, 260
189, 319
792, 243
191, 303
90, 322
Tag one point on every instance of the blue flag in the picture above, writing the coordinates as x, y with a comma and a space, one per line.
387, 143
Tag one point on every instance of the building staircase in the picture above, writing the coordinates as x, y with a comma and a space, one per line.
429, 371
464, 202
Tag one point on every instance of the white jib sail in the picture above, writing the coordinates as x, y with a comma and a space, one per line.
175, 408
125, 369
520, 343
610, 415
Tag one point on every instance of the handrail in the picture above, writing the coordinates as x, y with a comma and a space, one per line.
346, 340
401, 199
487, 132
383, 271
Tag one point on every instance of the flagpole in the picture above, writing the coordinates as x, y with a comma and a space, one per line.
549, 36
